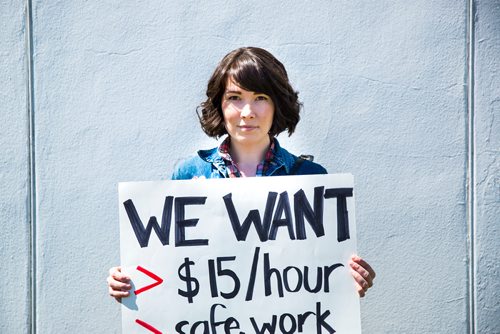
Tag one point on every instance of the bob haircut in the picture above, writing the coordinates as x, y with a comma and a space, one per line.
256, 70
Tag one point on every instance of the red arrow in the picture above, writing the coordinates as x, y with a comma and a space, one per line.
147, 287
148, 326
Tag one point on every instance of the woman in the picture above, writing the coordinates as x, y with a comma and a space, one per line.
250, 99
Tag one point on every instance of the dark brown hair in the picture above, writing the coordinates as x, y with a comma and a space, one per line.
256, 70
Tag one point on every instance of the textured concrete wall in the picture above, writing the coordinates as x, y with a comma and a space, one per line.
384, 88
487, 166
14, 185
395, 116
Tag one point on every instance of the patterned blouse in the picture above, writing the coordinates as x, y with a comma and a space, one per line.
231, 165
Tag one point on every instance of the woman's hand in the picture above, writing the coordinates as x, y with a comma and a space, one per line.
363, 274
118, 284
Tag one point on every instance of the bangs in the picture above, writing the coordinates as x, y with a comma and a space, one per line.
250, 75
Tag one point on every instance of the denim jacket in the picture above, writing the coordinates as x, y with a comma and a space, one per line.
209, 164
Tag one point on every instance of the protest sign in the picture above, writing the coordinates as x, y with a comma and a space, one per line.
246, 255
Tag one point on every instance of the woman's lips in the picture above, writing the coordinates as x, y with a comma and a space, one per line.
247, 127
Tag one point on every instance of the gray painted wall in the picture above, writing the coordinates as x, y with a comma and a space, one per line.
487, 166
384, 86
14, 173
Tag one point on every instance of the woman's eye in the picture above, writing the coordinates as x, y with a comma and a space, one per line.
233, 98
261, 98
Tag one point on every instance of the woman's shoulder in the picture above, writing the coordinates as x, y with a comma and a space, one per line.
199, 165
308, 167
299, 165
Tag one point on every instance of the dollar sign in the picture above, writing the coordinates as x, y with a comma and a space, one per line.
190, 292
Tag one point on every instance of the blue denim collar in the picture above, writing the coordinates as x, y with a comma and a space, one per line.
281, 159
212, 156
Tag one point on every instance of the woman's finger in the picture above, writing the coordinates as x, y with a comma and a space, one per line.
117, 293
117, 285
359, 288
361, 284
364, 264
116, 274
363, 273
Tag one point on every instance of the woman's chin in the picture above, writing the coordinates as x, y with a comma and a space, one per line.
249, 138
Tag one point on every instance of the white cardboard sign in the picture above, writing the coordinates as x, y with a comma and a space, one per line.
246, 255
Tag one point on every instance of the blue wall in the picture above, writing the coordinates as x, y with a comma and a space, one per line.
390, 94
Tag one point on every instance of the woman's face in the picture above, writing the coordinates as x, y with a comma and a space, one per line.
248, 116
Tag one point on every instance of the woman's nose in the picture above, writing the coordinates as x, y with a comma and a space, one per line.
247, 111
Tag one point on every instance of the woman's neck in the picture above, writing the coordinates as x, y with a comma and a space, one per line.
248, 157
